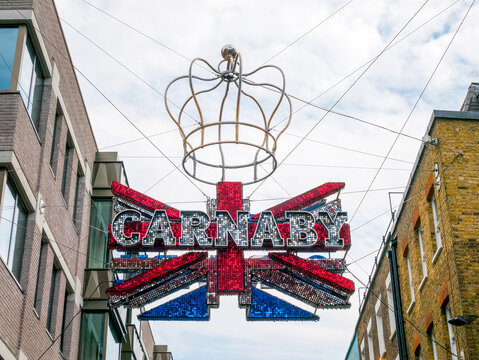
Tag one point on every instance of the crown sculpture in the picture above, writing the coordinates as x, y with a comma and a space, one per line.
224, 141
233, 137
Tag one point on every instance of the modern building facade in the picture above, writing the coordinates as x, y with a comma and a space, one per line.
422, 301
53, 207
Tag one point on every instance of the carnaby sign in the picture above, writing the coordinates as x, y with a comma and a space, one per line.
321, 228
305, 223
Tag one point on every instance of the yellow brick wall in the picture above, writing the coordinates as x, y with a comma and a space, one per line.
455, 268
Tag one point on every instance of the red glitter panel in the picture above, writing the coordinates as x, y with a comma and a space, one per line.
230, 197
230, 270
141, 200
304, 200
230, 260
315, 271
129, 286
345, 234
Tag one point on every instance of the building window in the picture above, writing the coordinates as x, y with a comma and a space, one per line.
66, 322
411, 285
418, 356
432, 337
362, 351
67, 160
76, 202
55, 146
13, 222
392, 318
380, 328
450, 330
52, 300
8, 44
370, 341
91, 343
423, 254
30, 82
100, 220
40, 275
113, 343
435, 218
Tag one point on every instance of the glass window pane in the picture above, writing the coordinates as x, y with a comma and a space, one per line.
36, 96
112, 344
26, 70
6, 221
100, 220
91, 347
8, 43
51, 301
16, 258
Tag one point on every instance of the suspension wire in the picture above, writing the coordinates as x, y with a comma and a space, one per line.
265, 86
68, 248
363, 257
307, 102
112, 104
69, 164
379, 297
73, 317
419, 193
62, 153
157, 182
344, 167
415, 105
286, 164
142, 138
345, 92
310, 102
309, 31
140, 78
350, 149
126, 67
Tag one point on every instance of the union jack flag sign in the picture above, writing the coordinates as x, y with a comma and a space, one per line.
306, 223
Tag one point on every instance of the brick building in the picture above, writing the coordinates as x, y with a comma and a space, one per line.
429, 275
50, 173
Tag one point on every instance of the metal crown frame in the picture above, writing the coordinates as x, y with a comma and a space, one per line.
232, 74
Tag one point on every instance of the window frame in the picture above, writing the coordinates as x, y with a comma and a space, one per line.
369, 334
391, 315
26, 36
95, 210
67, 170
436, 227
362, 350
101, 335
42, 261
411, 283
14, 69
380, 326
14, 225
53, 300
422, 254
450, 332
31, 97
432, 338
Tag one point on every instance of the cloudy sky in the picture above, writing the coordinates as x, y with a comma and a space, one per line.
328, 51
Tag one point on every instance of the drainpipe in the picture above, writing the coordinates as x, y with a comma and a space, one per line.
393, 268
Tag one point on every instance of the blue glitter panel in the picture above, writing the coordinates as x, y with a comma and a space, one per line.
268, 307
191, 306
